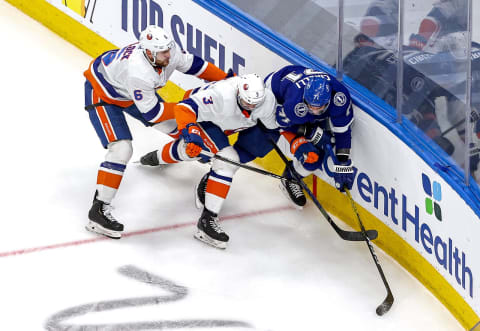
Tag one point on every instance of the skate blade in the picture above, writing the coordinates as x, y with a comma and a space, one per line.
97, 228
285, 193
158, 166
202, 236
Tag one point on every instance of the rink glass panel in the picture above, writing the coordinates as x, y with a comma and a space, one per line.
369, 48
433, 79
311, 25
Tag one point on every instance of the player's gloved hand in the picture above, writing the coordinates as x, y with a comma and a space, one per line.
343, 175
343, 172
417, 41
474, 115
230, 73
319, 137
303, 150
191, 136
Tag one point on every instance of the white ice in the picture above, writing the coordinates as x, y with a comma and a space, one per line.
283, 269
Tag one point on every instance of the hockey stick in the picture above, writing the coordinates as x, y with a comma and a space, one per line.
345, 235
257, 170
388, 302
474, 117
241, 165
454, 126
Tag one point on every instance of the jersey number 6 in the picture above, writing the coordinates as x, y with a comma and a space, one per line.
137, 94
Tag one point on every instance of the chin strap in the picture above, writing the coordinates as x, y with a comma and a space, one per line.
148, 59
245, 112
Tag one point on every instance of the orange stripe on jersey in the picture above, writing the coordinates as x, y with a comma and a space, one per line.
168, 112
288, 135
107, 128
175, 135
212, 73
183, 116
187, 94
427, 28
218, 189
166, 153
98, 89
109, 179
208, 142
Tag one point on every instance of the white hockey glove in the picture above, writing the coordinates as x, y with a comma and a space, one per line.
319, 137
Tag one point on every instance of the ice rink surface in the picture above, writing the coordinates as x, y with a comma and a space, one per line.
283, 270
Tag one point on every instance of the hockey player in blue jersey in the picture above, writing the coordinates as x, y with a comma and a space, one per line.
312, 106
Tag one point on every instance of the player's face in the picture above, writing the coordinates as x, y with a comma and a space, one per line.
163, 58
247, 106
316, 110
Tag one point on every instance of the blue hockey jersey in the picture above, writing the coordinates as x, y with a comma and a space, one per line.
288, 85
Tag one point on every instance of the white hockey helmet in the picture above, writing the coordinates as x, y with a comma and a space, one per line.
251, 91
155, 39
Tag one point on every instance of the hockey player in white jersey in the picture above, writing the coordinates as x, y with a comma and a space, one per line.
125, 81
444, 29
204, 122
444, 32
380, 23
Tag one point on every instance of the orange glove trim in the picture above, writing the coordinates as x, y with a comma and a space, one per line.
311, 157
295, 144
193, 150
212, 73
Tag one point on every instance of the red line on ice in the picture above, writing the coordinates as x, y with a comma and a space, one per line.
140, 232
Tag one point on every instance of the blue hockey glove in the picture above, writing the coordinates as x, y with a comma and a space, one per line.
230, 73
343, 172
191, 136
418, 41
303, 150
343, 175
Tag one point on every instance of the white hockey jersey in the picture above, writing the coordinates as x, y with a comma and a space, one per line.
125, 76
217, 103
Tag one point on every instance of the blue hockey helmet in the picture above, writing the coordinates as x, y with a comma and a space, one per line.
317, 94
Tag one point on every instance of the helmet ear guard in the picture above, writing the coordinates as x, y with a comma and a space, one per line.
155, 39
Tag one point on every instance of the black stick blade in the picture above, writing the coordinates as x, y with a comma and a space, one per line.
372, 234
357, 236
385, 305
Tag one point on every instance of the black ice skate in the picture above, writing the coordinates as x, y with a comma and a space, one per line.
293, 191
102, 221
209, 231
200, 191
150, 159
